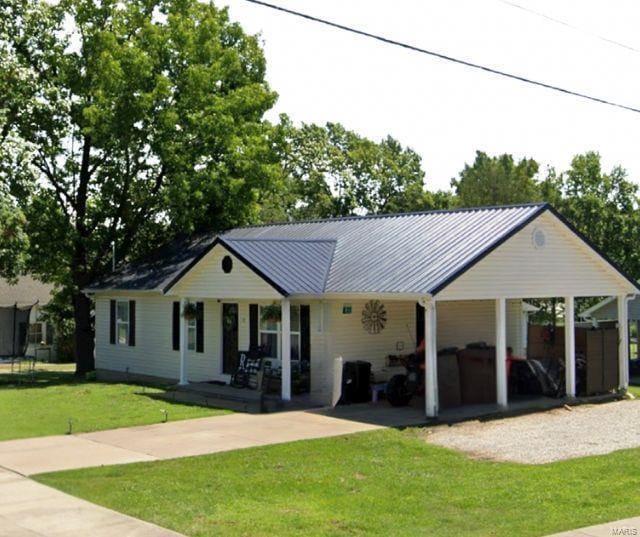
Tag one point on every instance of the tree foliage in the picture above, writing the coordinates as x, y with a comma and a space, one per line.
603, 206
140, 119
498, 180
329, 171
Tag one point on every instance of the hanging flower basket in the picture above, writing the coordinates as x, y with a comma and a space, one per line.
271, 313
190, 311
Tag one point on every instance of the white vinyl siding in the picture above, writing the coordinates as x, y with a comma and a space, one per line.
153, 354
467, 321
516, 269
207, 280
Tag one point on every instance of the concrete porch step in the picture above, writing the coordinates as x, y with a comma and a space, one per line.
223, 396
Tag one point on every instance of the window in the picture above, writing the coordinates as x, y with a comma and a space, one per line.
270, 334
36, 336
122, 322
192, 330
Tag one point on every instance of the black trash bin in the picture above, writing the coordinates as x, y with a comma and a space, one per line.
356, 382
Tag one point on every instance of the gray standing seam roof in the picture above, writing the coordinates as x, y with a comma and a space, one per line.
295, 266
412, 253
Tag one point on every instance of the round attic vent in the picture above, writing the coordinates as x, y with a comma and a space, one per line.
227, 264
539, 238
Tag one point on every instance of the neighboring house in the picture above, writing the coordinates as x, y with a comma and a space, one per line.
607, 310
360, 288
22, 329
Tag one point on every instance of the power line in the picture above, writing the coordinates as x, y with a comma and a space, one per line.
445, 57
569, 25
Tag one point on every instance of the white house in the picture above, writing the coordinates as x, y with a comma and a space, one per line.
360, 288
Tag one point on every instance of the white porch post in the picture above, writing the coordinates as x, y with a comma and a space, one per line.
286, 349
431, 358
569, 346
623, 343
501, 352
183, 345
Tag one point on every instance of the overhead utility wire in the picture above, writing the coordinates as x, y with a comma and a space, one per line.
569, 25
445, 57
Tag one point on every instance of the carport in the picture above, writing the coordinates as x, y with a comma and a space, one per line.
546, 258
479, 311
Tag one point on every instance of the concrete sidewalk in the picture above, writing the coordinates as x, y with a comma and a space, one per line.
628, 526
169, 440
29, 509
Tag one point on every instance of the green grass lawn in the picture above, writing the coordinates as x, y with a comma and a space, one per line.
44, 406
386, 482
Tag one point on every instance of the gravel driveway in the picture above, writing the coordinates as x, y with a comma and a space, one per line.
547, 436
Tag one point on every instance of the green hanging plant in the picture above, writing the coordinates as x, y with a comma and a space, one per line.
271, 313
190, 311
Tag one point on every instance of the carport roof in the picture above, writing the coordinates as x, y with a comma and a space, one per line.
410, 253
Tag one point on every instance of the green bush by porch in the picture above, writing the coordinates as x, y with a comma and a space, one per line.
381, 483
43, 407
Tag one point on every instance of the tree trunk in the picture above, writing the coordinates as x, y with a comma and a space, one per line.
83, 337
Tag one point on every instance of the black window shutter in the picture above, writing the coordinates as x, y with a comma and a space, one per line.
253, 325
419, 324
175, 326
132, 323
112, 322
200, 327
305, 333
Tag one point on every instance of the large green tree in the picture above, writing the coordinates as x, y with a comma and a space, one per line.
136, 120
330, 171
604, 206
498, 180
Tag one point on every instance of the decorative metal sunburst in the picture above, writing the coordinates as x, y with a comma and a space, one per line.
374, 316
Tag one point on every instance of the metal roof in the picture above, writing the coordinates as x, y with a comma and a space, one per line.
402, 253
410, 253
159, 270
294, 266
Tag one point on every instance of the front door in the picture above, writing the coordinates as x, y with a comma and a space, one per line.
229, 338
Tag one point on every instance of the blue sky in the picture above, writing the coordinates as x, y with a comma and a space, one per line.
443, 111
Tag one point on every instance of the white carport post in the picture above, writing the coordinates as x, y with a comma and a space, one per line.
569, 346
183, 344
431, 358
501, 352
623, 343
286, 349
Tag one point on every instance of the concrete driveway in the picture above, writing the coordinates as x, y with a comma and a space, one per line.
169, 440
29, 509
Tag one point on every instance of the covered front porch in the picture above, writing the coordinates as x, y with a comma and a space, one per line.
465, 359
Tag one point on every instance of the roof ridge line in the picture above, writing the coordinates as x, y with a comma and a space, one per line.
273, 239
392, 215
